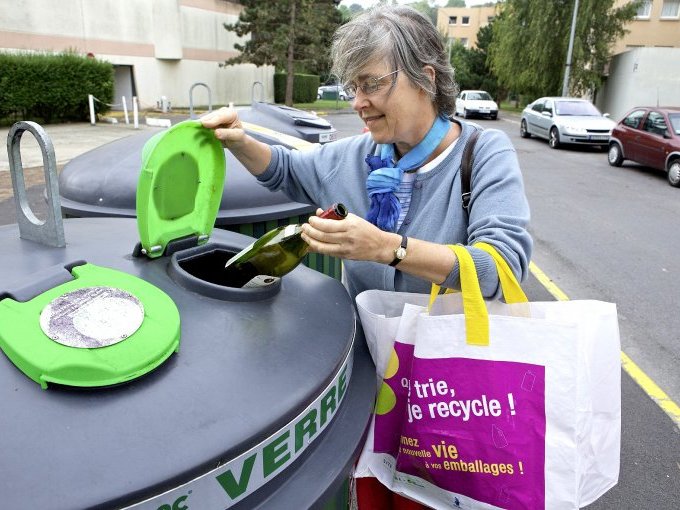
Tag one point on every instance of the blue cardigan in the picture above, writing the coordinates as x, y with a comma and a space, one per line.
499, 212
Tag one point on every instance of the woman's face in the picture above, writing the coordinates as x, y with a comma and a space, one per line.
401, 114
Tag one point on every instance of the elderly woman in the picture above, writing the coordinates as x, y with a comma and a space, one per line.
402, 179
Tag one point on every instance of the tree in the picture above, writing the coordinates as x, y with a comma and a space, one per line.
455, 3
529, 47
291, 35
470, 65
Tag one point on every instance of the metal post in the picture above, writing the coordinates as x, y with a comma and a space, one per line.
90, 100
567, 69
135, 111
127, 119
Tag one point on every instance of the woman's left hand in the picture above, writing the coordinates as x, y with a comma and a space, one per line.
350, 238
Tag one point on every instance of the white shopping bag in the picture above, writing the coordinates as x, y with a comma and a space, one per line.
530, 419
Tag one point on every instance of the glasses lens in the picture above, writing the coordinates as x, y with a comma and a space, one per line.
350, 90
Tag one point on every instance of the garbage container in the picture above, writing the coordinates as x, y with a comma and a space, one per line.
330, 94
264, 405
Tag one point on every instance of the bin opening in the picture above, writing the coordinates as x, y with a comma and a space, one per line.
202, 269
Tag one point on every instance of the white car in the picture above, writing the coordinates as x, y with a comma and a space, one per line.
566, 120
476, 103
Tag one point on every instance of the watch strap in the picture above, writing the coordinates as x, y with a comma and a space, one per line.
404, 242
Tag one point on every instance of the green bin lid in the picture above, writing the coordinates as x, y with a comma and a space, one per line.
180, 186
67, 334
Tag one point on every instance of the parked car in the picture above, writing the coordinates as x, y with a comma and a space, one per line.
566, 120
334, 89
477, 103
649, 136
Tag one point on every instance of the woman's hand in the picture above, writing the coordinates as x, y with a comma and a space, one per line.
356, 239
252, 154
227, 126
350, 238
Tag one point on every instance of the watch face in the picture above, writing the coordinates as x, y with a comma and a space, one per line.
400, 253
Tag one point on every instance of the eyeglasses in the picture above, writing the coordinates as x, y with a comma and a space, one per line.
370, 86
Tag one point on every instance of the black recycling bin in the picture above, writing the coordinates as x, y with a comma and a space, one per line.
215, 397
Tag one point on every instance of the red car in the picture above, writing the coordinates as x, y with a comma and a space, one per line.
649, 136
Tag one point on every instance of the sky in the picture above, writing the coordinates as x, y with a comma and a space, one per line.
440, 3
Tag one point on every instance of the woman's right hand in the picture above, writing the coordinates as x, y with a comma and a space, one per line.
253, 154
227, 126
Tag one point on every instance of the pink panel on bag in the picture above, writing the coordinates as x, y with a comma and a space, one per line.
473, 427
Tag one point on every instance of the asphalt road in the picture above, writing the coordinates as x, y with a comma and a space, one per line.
600, 233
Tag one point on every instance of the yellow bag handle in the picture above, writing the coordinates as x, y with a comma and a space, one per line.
476, 314
512, 292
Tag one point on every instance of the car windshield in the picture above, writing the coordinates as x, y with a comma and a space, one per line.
675, 122
576, 108
479, 96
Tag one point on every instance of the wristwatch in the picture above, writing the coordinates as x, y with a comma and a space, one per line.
400, 253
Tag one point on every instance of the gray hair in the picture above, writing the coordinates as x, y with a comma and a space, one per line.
403, 37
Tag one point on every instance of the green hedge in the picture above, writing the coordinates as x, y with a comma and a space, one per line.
50, 88
305, 87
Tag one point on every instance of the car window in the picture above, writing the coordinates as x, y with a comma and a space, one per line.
479, 96
576, 108
633, 119
655, 124
674, 119
548, 107
537, 106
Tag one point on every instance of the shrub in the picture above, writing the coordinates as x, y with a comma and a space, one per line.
53, 87
305, 87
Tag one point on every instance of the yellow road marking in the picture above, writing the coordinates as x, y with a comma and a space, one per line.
635, 372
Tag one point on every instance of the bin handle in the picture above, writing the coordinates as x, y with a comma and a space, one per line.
51, 231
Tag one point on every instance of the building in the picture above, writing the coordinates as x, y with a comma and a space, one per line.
159, 48
461, 24
645, 66
657, 25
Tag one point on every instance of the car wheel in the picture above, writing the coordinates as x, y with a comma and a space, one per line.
614, 155
523, 131
554, 140
494, 117
465, 113
674, 173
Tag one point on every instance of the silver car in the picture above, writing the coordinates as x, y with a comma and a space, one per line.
566, 120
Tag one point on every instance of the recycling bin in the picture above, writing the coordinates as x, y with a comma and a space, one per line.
103, 182
215, 397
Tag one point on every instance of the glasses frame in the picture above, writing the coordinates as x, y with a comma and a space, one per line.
370, 86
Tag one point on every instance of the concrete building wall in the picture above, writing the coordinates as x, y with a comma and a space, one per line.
641, 77
654, 29
170, 44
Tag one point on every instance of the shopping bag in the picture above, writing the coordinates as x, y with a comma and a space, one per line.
493, 405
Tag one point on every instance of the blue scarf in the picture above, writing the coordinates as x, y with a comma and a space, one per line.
384, 177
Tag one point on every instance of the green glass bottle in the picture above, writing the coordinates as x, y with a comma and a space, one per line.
273, 255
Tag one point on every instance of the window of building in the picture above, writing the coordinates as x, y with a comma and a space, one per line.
489, 19
464, 41
644, 10
453, 20
670, 9
466, 20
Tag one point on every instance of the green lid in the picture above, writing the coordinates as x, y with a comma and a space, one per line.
64, 335
180, 186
